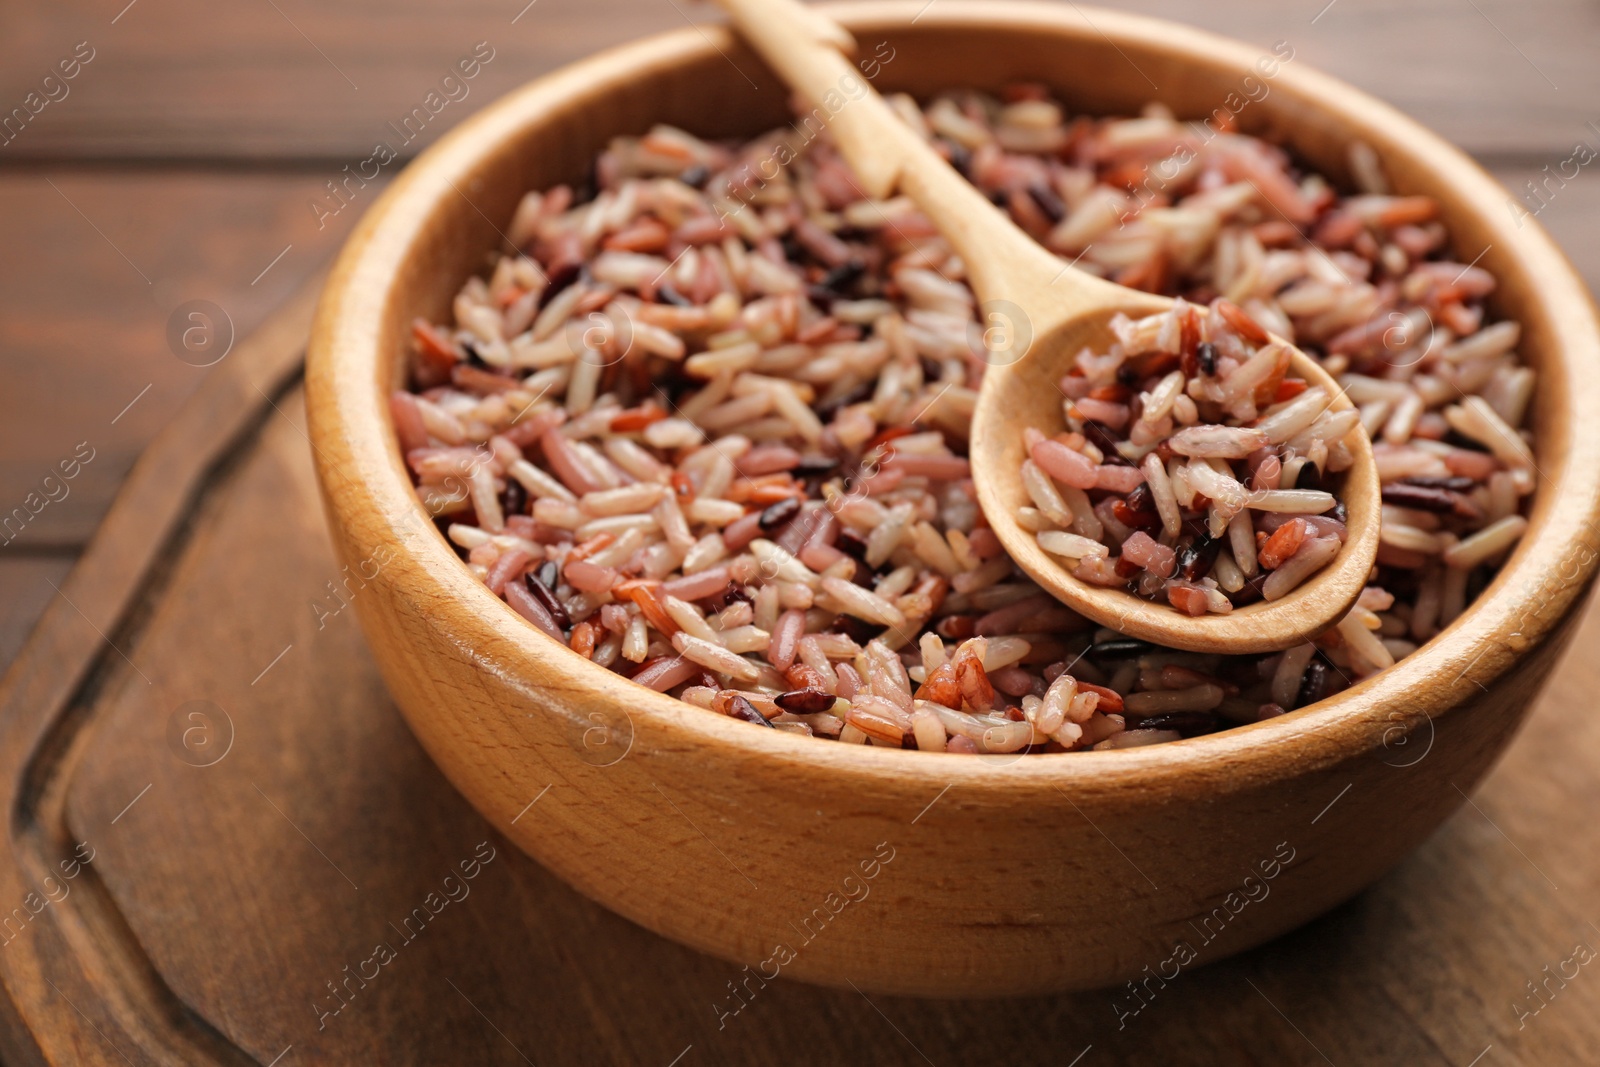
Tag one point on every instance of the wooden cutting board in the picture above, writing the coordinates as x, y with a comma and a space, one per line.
225, 848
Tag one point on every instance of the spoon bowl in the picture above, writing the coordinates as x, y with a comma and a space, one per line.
1025, 393
1038, 312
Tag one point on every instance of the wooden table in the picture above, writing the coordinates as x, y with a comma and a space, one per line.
182, 165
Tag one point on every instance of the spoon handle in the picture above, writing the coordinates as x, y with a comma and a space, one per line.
1003, 262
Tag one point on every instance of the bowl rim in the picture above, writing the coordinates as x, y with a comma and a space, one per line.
369, 496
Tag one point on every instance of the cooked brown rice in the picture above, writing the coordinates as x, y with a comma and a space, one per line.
1212, 464
706, 424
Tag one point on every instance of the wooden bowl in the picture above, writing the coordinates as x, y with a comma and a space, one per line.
904, 871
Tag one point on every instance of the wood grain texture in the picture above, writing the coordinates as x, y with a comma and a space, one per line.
498, 706
98, 265
63, 662
26, 583
248, 81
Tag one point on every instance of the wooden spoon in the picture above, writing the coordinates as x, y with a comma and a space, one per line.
1038, 312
